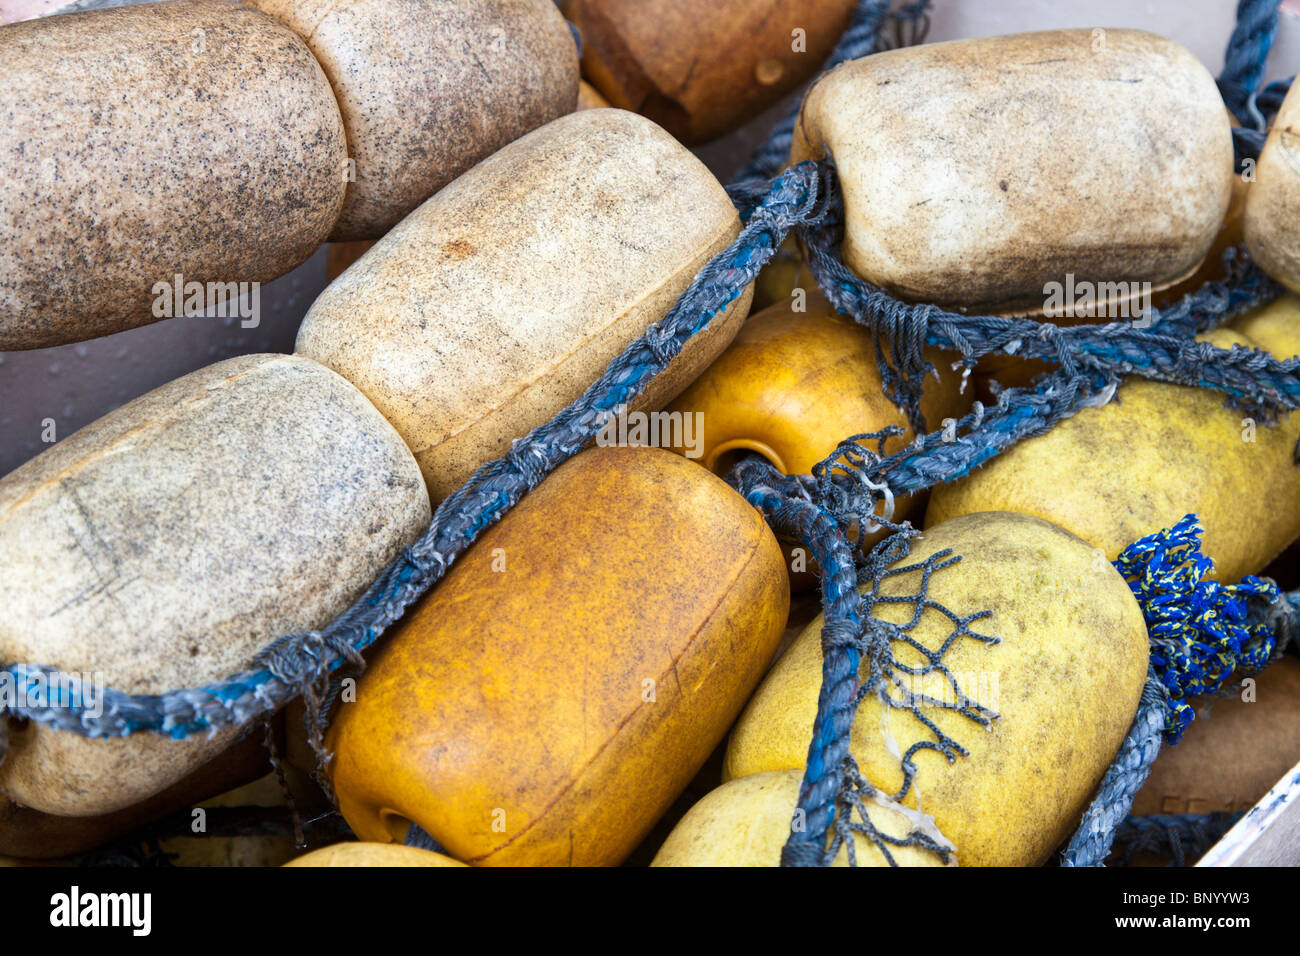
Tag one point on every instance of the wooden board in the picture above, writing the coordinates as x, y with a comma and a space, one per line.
1269, 833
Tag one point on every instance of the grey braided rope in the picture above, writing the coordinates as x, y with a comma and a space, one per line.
1180, 837
1095, 834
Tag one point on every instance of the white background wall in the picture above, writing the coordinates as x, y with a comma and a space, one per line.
1200, 25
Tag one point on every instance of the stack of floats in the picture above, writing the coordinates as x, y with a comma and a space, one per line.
554, 695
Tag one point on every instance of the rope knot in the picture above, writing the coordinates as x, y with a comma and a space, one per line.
1201, 630
527, 460
662, 344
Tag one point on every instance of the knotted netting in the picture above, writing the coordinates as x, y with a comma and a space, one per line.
853, 488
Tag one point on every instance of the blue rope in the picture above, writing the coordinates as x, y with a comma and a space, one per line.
1091, 359
840, 494
794, 514
1200, 631
1173, 835
1262, 107
1247, 55
1254, 380
834, 791
296, 663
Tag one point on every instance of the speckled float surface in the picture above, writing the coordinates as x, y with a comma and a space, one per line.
497, 302
198, 137
575, 667
1272, 223
976, 171
428, 88
168, 543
